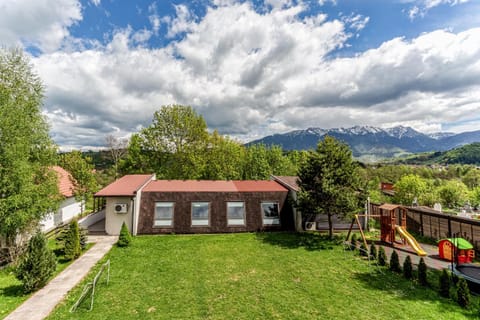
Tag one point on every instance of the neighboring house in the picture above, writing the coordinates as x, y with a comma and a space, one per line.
150, 206
291, 183
68, 208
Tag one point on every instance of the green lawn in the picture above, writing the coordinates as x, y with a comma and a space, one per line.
11, 292
252, 276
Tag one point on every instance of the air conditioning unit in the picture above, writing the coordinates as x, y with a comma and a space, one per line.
120, 208
310, 225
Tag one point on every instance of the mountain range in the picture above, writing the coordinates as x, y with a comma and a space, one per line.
371, 143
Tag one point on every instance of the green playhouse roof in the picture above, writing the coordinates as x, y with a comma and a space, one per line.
461, 243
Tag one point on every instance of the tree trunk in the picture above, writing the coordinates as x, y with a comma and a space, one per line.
330, 226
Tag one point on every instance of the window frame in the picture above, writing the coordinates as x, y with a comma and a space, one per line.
272, 221
155, 225
192, 218
235, 222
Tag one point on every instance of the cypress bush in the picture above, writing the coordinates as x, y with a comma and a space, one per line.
394, 262
463, 293
373, 252
363, 250
422, 273
36, 264
407, 268
83, 238
72, 241
353, 241
382, 256
444, 280
125, 237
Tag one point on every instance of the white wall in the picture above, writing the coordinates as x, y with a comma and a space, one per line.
113, 221
68, 209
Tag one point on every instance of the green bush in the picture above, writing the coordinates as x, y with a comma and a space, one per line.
382, 256
36, 264
394, 262
353, 241
422, 273
83, 238
363, 250
463, 293
373, 252
125, 237
72, 248
407, 268
444, 280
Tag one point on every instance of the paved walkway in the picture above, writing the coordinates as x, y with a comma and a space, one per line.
432, 260
44, 301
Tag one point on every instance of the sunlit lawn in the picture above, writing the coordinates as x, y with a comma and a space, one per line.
252, 276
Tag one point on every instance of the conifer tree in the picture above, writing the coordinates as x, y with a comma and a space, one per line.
407, 268
382, 256
72, 241
394, 262
363, 250
463, 293
422, 273
36, 264
444, 284
373, 251
125, 238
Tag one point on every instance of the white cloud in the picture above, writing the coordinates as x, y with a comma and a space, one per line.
95, 2
259, 74
421, 8
40, 23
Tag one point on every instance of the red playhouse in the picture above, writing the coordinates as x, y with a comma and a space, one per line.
456, 247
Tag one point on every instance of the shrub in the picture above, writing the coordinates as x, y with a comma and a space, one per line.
353, 241
422, 273
463, 293
382, 256
373, 252
125, 237
36, 264
72, 241
407, 268
363, 250
83, 238
394, 262
444, 284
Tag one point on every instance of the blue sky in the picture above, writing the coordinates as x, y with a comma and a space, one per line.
251, 68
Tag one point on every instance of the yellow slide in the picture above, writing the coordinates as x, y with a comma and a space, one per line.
411, 241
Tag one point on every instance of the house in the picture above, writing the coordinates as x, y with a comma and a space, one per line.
291, 183
68, 208
150, 206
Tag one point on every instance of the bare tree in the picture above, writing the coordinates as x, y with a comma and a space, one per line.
118, 149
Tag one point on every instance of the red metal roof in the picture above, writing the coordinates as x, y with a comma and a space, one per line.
213, 186
289, 182
125, 186
65, 184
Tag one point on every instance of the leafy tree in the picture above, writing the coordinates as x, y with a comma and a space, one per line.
408, 188
72, 241
474, 197
125, 237
176, 142
256, 165
472, 178
453, 193
444, 284
224, 158
28, 187
382, 256
422, 272
36, 264
395, 262
329, 182
464, 299
82, 171
407, 268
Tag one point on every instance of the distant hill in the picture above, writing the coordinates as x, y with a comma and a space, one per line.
372, 143
467, 154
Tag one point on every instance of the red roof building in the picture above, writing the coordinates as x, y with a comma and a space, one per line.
125, 186
65, 182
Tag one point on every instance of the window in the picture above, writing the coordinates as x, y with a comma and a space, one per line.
163, 214
200, 213
235, 213
270, 213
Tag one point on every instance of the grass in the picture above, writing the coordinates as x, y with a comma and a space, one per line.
252, 276
11, 291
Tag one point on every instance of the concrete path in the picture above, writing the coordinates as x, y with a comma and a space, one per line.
432, 260
44, 301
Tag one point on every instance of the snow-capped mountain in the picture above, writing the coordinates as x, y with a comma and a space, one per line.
367, 141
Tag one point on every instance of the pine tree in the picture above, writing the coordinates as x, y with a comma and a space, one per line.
72, 241
36, 265
444, 284
353, 242
363, 250
373, 252
394, 262
382, 256
83, 238
463, 293
125, 237
422, 273
407, 268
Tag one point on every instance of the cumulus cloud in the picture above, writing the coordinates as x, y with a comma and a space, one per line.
421, 7
261, 73
40, 23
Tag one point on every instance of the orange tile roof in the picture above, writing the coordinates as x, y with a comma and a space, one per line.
65, 183
213, 186
289, 182
125, 186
